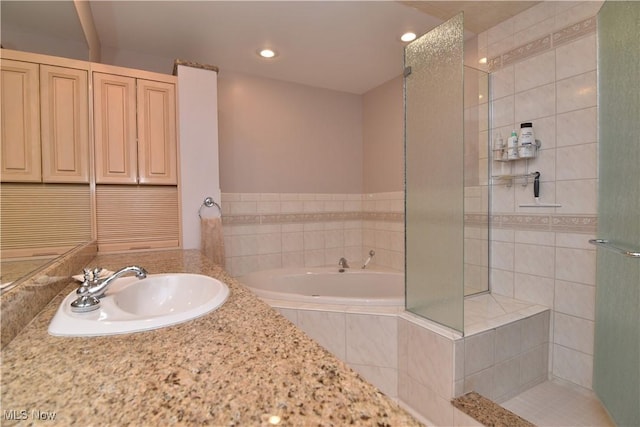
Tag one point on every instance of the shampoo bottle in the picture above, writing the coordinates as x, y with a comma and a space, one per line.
512, 146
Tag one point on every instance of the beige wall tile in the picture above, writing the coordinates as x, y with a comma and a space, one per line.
576, 57
576, 92
573, 332
536, 71
535, 103
575, 299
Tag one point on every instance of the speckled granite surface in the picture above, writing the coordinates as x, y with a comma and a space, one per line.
31, 294
192, 64
239, 365
487, 412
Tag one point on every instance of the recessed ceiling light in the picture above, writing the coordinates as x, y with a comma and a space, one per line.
266, 53
408, 37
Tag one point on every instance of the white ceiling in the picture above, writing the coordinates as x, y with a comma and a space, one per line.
349, 46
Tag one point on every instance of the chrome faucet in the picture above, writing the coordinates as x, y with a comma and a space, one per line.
93, 287
342, 263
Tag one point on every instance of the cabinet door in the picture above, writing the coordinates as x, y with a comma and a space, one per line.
20, 122
157, 143
64, 111
114, 99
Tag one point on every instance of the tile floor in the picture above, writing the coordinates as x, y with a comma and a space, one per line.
551, 404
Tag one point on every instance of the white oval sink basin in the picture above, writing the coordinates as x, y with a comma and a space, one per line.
133, 305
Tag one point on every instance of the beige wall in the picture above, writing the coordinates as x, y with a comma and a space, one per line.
382, 130
18, 39
284, 137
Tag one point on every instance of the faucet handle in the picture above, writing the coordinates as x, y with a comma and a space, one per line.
91, 275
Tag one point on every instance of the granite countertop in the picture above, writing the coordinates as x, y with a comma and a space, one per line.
488, 412
239, 365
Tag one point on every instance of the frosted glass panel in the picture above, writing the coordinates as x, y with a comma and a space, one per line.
476, 180
617, 331
434, 156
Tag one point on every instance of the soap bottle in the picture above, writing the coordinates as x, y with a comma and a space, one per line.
527, 141
499, 148
512, 146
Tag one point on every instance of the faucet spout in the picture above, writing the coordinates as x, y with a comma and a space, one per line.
94, 287
100, 285
371, 254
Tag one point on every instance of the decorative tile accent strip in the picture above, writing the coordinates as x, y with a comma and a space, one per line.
383, 216
476, 219
526, 50
538, 222
574, 31
587, 224
529, 222
559, 223
312, 217
240, 219
557, 38
494, 63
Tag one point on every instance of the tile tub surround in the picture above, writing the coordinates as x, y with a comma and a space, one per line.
364, 337
235, 366
425, 365
275, 230
23, 302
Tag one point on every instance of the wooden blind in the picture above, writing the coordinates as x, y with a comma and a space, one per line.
44, 218
137, 217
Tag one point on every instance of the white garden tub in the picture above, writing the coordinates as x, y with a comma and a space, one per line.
326, 285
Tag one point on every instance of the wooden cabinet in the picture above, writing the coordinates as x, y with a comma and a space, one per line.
157, 144
45, 123
64, 116
135, 130
20, 103
111, 129
114, 121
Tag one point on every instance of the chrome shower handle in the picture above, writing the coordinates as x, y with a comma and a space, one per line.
608, 245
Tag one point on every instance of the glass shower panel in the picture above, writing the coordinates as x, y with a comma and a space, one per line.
616, 378
434, 159
476, 181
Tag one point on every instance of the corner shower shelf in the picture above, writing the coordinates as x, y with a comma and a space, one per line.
509, 179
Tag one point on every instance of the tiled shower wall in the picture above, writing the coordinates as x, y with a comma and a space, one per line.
543, 70
283, 230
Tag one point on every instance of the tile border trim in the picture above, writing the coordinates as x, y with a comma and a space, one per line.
289, 218
532, 222
542, 44
546, 222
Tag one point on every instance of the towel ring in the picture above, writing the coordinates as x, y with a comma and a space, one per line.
209, 202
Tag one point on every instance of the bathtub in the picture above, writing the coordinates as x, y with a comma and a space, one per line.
326, 285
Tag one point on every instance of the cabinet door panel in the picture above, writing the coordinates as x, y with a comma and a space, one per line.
65, 124
114, 100
20, 122
157, 144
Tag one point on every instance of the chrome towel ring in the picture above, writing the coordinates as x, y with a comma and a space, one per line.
209, 202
